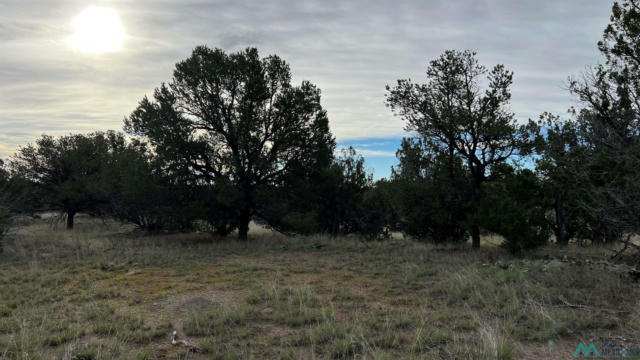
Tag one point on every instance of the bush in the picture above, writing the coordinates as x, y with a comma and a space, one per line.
330, 199
431, 193
5, 223
515, 208
144, 194
430, 211
376, 213
7, 198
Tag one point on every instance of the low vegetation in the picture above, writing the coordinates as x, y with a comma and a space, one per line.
103, 292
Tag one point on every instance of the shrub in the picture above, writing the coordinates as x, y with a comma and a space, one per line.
430, 212
5, 223
6, 199
376, 212
514, 207
432, 194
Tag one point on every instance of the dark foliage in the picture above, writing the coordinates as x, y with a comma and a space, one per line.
515, 207
5, 200
562, 150
337, 199
455, 118
234, 119
431, 194
67, 172
379, 214
141, 193
14, 199
610, 127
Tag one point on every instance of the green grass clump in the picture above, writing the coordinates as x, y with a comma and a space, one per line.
216, 319
287, 304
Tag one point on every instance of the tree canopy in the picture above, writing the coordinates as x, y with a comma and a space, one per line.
234, 118
67, 171
454, 116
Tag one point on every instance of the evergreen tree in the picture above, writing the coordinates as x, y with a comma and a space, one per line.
432, 193
611, 128
456, 119
235, 119
67, 172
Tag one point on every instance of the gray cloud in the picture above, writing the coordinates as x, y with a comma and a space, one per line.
350, 49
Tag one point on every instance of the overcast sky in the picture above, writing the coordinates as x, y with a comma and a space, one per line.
350, 49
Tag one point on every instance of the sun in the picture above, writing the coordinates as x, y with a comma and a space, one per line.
98, 30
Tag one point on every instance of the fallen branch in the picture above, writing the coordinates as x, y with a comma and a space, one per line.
621, 251
585, 307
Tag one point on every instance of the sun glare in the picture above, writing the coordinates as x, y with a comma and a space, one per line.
98, 30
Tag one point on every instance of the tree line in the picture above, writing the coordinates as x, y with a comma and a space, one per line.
229, 139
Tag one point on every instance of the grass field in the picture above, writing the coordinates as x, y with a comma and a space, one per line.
102, 292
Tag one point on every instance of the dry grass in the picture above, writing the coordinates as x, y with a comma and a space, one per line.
102, 292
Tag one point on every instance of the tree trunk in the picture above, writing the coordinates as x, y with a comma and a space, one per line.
561, 236
335, 223
245, 212
475, 236
70, 216
478, 179
451, 160
611, 235
243, 224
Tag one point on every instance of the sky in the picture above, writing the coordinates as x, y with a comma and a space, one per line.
349, 49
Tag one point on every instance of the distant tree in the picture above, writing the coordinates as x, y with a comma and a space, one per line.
351, 202
562, 154
234, 118
353, 182
379, 214
5, 224
432, 193
454, 117
67, 172
333, 200
14, 199
5, 200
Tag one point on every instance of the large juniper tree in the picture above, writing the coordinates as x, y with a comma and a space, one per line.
454, 116
234, 118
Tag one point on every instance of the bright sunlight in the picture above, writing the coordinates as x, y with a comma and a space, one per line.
98, 30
